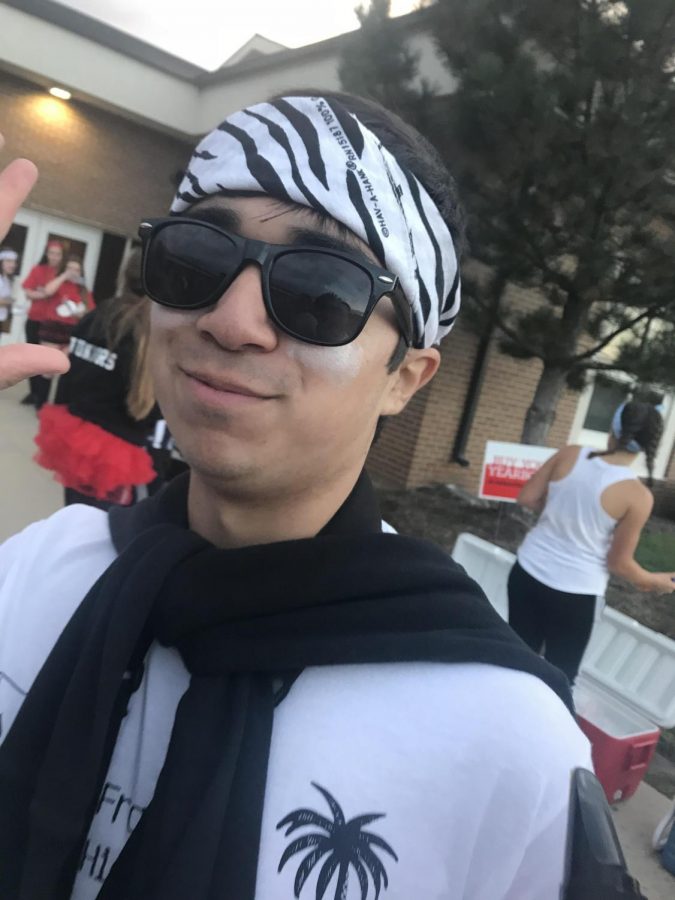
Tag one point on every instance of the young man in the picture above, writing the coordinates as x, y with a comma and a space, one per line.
243, 688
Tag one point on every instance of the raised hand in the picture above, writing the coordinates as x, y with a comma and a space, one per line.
19, 361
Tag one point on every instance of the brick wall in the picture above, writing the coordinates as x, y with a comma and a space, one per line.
95, 167
416, 449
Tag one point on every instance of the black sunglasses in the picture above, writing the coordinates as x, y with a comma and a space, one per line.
315, 294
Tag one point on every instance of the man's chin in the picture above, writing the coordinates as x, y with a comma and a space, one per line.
218, 471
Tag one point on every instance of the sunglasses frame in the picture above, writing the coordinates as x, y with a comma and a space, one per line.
264, 254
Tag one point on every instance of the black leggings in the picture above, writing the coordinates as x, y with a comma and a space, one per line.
557, 621
39, 385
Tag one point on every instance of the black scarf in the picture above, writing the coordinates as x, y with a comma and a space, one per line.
240, 619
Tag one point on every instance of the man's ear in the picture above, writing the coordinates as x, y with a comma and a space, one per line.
416, 370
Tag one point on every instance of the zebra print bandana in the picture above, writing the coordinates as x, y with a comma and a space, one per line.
307, 151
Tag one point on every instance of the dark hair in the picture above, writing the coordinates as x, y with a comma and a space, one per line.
642, 423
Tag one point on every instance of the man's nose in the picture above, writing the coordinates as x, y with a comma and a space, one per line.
239, 319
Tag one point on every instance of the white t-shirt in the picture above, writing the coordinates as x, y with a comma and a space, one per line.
468, 765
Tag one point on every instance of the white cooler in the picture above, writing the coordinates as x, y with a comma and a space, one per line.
625, 691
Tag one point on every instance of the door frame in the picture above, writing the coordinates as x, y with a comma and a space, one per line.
39, 226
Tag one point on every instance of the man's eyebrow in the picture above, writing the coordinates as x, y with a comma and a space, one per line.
216, 215
311, 238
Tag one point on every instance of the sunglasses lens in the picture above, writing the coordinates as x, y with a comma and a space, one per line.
319, 297
185, 264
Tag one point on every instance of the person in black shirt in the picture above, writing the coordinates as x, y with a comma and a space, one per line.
94, 436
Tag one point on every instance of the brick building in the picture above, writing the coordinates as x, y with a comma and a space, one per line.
110, 155
417, 446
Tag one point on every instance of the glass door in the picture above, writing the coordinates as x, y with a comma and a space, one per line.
29, 236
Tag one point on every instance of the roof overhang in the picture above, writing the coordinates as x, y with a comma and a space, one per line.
52, 45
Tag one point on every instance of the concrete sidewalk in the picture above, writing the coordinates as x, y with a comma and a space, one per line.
635, 822
28, 493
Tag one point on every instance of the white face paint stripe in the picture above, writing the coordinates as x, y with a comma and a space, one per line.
317, 154
340, 364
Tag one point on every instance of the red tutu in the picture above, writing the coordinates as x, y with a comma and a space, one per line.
88, 458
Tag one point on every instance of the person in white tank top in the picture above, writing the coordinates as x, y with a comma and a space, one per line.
593, 508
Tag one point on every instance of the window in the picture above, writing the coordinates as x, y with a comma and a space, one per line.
606, 397
608, 394
16, 239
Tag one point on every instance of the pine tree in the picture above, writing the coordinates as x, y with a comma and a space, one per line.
563, 129
378, 63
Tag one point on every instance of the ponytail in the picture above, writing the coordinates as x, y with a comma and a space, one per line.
650, 441
640, 428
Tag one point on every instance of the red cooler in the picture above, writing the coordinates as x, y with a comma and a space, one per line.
624, 696
623, 742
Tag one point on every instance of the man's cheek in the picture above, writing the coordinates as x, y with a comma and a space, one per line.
338, 364
162, 318
155, 358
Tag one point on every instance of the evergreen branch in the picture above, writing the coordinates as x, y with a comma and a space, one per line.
651, 312
503, 326
558, 278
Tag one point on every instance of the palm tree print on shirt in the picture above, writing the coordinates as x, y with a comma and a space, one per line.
344, 844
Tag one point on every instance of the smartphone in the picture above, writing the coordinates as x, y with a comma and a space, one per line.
595, 867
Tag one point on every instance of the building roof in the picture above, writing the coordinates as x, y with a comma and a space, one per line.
258, 45
418, 20
107, 36
49, 45
245, 59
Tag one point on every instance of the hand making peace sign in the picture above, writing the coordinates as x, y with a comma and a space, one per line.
19, 361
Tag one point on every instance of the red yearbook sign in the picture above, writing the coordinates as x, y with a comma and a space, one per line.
507, 467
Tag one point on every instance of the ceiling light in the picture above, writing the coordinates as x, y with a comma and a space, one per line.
60, 93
